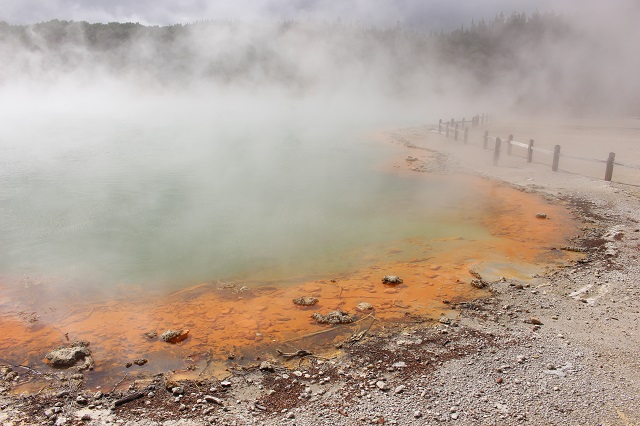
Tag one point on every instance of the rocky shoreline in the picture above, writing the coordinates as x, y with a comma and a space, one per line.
559, 348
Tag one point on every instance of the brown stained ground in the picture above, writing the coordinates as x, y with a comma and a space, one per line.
244, 323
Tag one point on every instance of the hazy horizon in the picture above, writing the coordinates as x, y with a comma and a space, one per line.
436, 15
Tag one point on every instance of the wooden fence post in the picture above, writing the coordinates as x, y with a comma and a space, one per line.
466, 135
556, 158
447, 129
485, 143
440, 126
509, 144
496, 152
482, 119
456, 132
530, 151
608, 174
463, 121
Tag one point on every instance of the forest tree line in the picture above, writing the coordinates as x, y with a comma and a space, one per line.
538, 58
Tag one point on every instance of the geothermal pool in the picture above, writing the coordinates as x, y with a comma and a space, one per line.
112, 228
97, 204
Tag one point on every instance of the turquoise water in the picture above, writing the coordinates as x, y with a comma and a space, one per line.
187, 198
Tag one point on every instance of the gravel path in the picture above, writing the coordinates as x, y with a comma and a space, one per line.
560, 348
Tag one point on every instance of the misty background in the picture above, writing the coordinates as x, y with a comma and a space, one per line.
146, 141
536, 56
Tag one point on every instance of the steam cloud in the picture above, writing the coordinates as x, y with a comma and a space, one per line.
576, 60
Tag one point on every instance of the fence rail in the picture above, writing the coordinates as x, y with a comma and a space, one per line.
456, 127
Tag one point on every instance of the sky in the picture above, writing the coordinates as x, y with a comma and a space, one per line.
436, 14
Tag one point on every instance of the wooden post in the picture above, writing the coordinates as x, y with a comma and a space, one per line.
440, 126
530, 151
608, 174
463, 121
496, 152
556, 158
447, 129
452, 121
509, 144
485, 144
466, 134
456, 132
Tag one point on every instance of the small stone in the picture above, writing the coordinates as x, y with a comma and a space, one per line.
551, 367
382, 385
399, 364
67, 356
305, 301
391, 279
86, 417
225, 384
444, 320
290, 415
541, 215
364, 306
267, 366
140, 361
535, 321
499, 380
454, 416
399, 389
151, 335
417, 414
182, 407
174, 336
334, 317
478, 283
213, 399
178, 390
81, 400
